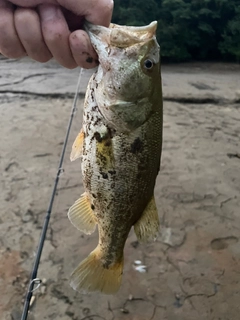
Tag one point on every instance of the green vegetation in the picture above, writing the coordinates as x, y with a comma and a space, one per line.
188, 29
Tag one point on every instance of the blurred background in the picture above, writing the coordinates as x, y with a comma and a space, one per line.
188, 29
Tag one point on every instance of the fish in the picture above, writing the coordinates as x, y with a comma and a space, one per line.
120, 147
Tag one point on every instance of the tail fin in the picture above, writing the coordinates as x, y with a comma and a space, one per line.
91, 275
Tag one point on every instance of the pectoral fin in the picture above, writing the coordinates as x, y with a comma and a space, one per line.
146, 228
77, 146
81, 215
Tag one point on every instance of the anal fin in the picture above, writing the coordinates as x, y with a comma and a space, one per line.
147, 227
81, 215
77, 146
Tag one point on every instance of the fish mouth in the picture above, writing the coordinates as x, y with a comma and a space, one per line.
119, 36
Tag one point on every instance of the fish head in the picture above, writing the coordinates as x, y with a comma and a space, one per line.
129, 68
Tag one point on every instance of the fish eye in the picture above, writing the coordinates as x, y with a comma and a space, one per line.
148, 64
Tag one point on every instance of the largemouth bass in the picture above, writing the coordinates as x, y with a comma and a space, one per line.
120, 146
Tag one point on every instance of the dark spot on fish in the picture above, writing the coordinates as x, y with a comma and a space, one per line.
112, 171
110, 132
136, 146
88, 176
89, 60
102, 158
94, 108
106, 265
98, 136
112, 185
92, 207
104, 175
97, 121
118, 218
92, 96
101, 216
141, 167
94, 196
107, 143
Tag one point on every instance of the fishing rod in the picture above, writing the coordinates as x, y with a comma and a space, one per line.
35, 282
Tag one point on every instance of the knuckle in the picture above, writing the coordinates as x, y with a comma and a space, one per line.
42, 59
11, 48
12, 53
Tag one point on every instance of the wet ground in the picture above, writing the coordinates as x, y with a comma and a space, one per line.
193, 270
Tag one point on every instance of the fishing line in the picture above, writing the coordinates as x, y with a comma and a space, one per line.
35, 282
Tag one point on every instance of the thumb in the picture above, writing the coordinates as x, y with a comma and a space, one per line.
32, 3
94, 11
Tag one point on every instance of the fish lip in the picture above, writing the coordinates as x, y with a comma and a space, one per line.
119, 36
93, 28
151, 27
99, 37
96, 33
90, 27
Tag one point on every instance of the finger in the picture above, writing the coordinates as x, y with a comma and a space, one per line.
56, 34
99, 12
28, 27
32, 3
82, 50
95, 11
10, 45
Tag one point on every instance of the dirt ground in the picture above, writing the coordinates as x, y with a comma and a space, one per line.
192, 271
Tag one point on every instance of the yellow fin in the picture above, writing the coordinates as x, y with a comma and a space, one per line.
147, 227
77, 146
81, 215
91, 275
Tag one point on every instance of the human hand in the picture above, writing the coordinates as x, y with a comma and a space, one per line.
42, 29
